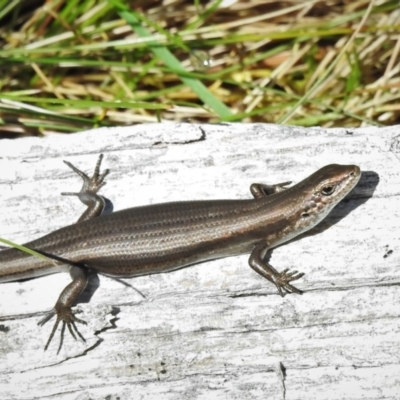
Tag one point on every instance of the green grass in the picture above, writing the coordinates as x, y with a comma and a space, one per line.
71, 66
28, 251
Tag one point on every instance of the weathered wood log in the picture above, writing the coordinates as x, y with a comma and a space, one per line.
216, 330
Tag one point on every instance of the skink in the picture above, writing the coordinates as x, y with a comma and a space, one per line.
165, 237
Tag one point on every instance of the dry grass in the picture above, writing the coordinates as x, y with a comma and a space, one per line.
72, 65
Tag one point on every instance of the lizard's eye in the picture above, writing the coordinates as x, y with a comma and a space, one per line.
328, 190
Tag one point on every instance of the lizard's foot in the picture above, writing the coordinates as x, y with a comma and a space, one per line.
282, 282
67, 317
90, 184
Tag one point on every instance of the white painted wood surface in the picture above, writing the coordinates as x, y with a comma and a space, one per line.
215, 330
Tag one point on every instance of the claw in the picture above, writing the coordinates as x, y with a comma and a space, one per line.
283, 279
88, 193
284, 271
67, 317
280, 187
93, 184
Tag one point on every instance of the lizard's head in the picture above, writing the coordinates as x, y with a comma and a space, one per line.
322, 190
332, 183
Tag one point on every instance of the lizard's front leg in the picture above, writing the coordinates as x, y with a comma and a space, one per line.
282, 280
